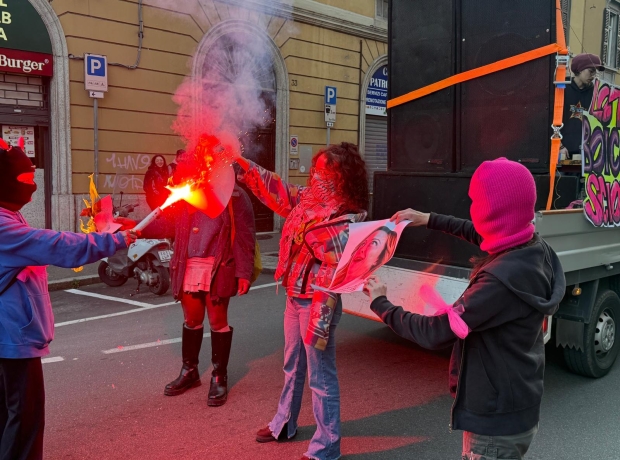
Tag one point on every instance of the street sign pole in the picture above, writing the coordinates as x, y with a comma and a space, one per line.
96, 139
95, 82
328, 134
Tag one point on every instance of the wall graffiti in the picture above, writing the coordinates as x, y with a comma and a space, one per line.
125, 183
601, 157
128, 162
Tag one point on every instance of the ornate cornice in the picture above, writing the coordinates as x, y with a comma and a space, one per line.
318, 14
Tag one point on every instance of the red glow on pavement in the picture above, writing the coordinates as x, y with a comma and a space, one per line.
352, 445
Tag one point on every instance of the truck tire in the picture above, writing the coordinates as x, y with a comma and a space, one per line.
601, 341
109, 277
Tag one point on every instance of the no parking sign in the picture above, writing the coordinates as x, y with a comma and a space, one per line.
294, 145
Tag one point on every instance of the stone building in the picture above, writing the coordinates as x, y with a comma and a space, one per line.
310, 44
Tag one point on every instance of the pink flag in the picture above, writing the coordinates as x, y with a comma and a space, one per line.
432, 298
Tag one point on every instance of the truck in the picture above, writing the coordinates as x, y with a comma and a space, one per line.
432, 155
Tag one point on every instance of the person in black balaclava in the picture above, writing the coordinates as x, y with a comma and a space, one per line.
16, 179
25, 310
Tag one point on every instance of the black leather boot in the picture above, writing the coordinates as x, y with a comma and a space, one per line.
220, 352
189, 376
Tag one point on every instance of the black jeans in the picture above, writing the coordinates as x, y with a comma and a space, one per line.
513, 447
22, 409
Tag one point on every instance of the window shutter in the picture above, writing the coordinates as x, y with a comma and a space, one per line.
617, 32
606, 23
565, 17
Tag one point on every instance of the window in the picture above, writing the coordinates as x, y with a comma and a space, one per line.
382, 9
566, 17
611, 54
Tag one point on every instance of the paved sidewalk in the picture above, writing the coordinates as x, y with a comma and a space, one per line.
66, 278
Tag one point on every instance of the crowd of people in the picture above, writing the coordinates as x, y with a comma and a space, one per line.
497, 365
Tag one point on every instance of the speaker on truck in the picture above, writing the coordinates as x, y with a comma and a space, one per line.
507, 113
446, 194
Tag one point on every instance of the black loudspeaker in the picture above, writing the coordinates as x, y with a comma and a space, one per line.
445, 194
421, 52
507, 113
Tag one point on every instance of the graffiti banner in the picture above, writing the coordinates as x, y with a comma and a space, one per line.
601, 156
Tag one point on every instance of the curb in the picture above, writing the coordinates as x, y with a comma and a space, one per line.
80, 281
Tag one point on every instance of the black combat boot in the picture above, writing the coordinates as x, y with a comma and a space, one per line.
220, 352
189, 376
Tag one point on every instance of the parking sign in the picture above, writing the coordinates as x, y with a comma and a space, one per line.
95, 72
330, 95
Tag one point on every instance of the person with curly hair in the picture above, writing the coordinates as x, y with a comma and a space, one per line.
314, 235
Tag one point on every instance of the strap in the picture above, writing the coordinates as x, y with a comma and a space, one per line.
478, 72
558, 106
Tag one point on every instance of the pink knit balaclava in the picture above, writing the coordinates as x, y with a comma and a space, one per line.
503, 195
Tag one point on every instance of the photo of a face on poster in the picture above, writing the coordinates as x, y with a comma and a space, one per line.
370, 245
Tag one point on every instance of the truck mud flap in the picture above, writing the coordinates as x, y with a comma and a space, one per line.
569, 334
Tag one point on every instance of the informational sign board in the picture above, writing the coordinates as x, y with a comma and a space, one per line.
377, 93
95, 72
294, 145
11, 135
330, 104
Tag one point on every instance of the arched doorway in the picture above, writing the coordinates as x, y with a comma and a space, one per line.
229, 51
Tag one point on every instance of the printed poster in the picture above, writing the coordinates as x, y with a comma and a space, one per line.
370, 246
601, 157
11, 135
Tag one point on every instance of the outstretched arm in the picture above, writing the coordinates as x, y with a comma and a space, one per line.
454, 226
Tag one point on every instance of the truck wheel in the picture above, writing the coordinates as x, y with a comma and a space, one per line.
109, 277
601, 344
163, 280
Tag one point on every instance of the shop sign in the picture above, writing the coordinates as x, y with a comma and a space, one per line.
16, 61
12, 134
377, 93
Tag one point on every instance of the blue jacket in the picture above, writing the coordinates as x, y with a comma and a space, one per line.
26, 318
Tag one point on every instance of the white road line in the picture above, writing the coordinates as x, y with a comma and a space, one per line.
262, 286
116, 299
144, 306
55, 359
145, 345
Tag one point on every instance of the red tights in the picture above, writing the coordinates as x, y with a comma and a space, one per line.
194, 305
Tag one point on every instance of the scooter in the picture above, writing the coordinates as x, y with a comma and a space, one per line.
145, 260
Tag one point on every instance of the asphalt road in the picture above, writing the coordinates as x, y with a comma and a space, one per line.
105, 378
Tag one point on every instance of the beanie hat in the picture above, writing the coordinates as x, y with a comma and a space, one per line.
503, 195
585, 61
14, 194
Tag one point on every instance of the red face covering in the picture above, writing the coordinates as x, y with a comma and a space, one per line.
15, 189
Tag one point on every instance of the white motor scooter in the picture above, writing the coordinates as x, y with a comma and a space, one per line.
146, 260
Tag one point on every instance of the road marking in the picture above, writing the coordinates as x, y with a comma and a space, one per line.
116, 299
144, 306
121, 349
55, 359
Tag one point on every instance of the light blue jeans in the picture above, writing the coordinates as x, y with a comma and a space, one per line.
322, 376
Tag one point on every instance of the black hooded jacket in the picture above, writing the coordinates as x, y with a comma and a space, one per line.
576, 101
496, 372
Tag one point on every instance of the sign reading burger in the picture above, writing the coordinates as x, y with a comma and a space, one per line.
25, 45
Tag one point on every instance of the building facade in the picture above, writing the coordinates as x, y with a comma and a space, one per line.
152, 47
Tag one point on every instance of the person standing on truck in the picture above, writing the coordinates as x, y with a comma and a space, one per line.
497, 369
26, 317
577, 99
313, 238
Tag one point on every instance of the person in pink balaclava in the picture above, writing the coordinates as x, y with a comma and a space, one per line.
495, 327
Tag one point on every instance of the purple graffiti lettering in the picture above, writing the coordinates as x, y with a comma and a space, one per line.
599, 106
613, 160
587, 151
593, 204
597, 151
614, 202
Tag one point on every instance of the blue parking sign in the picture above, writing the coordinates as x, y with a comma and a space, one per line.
330, 95
95, 72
